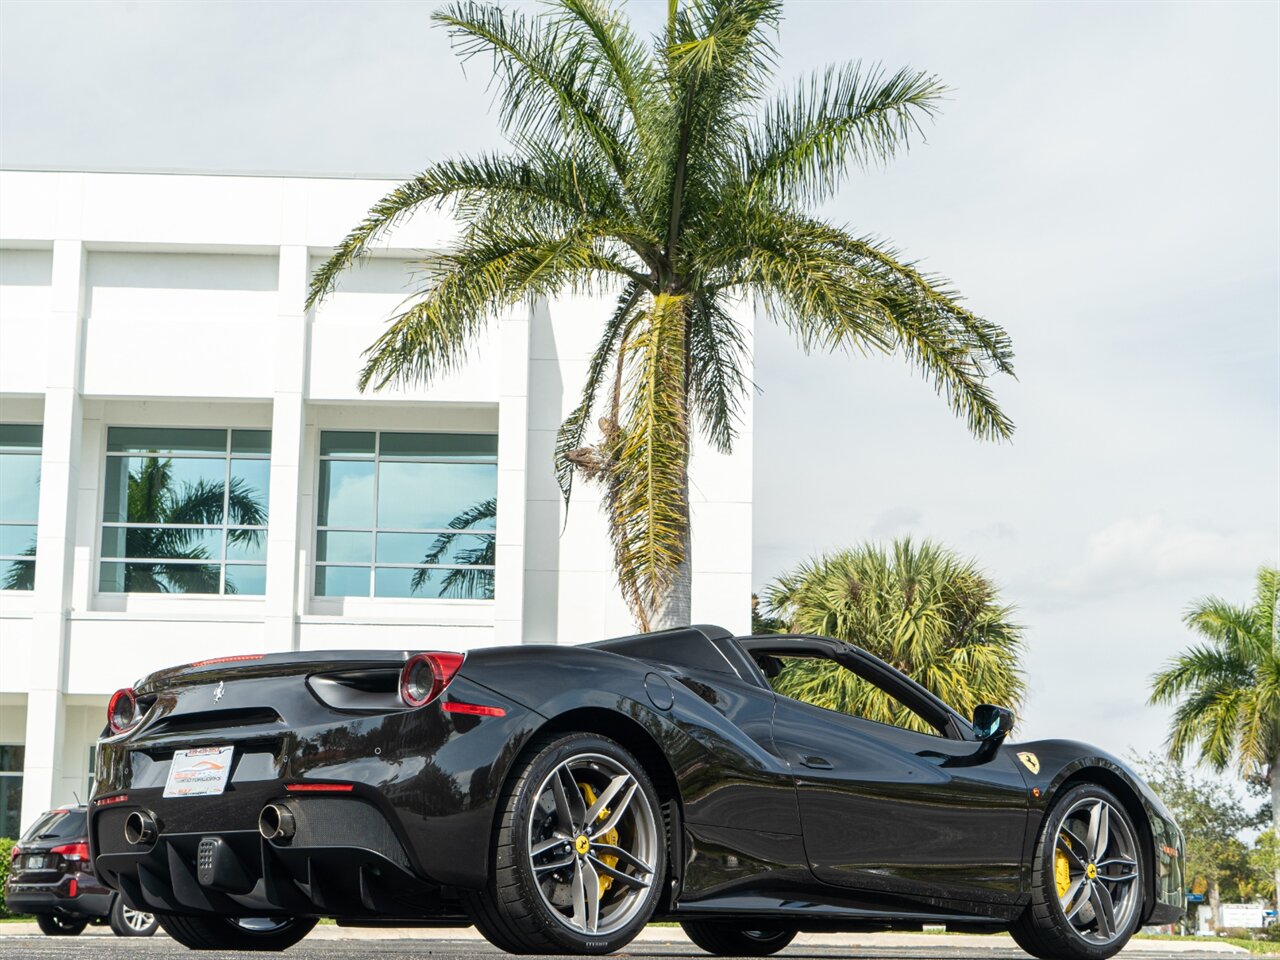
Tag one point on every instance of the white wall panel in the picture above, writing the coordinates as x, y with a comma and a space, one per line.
25, 288
15, 649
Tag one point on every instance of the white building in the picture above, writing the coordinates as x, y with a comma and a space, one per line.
163, 395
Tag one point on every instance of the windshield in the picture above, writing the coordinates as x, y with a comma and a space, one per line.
58, 825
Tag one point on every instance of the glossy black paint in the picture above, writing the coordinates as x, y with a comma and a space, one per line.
777, 807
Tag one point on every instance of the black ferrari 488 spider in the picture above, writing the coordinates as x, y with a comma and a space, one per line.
561, 797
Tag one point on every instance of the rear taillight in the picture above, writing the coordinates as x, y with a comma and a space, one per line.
72, 851
13, 854
425, 675
122, 711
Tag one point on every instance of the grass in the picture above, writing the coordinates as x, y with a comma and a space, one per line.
1265, 948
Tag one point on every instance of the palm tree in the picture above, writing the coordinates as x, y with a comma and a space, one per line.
154, 498
1227, 688
922, 609
668, 175
471, 579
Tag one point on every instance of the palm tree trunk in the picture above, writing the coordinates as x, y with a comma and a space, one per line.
675, 606
1215, 904
1273, 775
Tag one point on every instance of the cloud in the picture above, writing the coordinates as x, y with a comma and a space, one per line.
896, 522
1141, 551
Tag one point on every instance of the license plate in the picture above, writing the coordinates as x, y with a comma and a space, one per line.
37, 863
199, 773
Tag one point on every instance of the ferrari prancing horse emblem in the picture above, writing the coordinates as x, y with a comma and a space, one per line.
1030, 761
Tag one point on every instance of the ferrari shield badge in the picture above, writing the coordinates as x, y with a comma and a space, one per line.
1030, 761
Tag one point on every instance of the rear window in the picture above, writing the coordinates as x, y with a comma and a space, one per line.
58, 825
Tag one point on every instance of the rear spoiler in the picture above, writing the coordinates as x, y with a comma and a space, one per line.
244, 666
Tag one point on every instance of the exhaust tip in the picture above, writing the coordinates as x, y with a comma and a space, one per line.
140, 827
275, 822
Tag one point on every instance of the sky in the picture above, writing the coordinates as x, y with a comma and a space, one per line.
1104, 182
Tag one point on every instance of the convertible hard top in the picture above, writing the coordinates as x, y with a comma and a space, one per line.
707, 647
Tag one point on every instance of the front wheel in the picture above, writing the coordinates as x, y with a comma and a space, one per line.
53, 925
726, 940
231, 933
579, 852
1086, 880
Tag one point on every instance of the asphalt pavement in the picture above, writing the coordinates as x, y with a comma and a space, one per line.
329, 947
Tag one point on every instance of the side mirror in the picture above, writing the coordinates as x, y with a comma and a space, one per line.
991, 722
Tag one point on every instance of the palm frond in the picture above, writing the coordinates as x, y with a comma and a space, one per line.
1226, 690
472, 286
572, 432
646, 496
543, 73
629, 72
717, 357
918, 607
806, 140
532, 182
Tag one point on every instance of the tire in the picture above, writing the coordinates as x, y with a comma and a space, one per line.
230, 933
1074, 925
127, 922
730, 940
560, 899
53, 925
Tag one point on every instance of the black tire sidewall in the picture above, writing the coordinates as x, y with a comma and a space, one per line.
524, 800
52, 925
1081, 947
223, 933
732, 939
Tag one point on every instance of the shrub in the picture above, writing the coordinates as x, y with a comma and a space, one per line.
6, 848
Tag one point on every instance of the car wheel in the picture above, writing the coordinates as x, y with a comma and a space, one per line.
128, 922
578, 854
53, 925
1086, 880
233, 933
730, 940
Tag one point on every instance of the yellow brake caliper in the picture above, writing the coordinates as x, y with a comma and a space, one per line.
611, 838
1062, 869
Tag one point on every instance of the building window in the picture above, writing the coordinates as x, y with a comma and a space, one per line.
185, 511
406, 515
12, 757
19, 504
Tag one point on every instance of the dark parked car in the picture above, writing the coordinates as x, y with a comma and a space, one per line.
561, 797
51, 876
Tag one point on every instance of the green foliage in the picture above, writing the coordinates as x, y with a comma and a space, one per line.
1264, 861
1227, 688
920, 608
1226, 691
667, 172
1212, 818
762, 622
6, 860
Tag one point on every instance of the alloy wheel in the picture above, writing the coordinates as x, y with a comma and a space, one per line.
1096, 871
136, 920
593, 840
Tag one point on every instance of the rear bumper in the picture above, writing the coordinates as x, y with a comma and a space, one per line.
345, 859
414, 823
85, 906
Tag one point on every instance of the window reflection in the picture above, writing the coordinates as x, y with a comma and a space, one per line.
406, 515
19, 503
185, 511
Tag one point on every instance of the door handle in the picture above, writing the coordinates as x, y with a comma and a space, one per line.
816, 763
